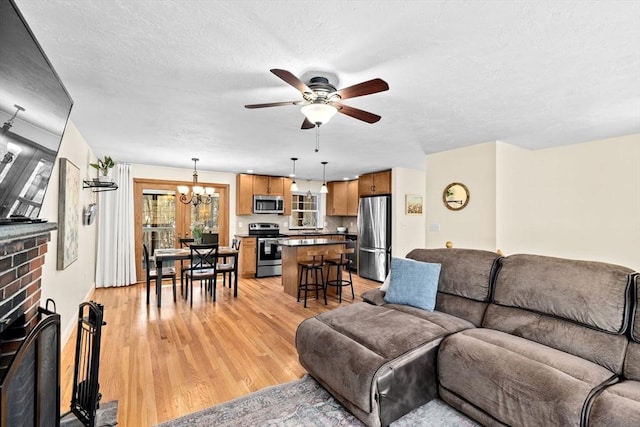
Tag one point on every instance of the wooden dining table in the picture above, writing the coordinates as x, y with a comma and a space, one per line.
164, 256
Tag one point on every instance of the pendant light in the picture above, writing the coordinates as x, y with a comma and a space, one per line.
294, 186
199, 194
324, 189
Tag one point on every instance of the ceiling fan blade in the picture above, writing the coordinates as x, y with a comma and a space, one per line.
307, 124
273, 104
364, 88
291, 79
356, 113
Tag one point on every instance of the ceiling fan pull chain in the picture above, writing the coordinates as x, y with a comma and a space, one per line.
317, 138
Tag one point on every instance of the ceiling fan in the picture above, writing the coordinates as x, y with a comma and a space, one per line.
321, 100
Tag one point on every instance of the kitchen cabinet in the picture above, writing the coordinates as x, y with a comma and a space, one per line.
374, 184
247, 257
352, 198
264, 185
342, 199
249, 185
244, 194
337, 198
287, 195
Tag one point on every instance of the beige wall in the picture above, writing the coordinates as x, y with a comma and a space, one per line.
578, 201
407, 231
73, 285
475, 225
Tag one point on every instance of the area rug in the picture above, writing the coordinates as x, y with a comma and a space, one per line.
106, 416
304, 403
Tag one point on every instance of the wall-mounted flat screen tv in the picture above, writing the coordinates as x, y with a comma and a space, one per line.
34, 109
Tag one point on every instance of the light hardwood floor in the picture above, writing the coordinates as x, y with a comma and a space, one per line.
163, 363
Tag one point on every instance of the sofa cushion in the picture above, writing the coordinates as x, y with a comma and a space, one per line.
607, 350
517, 381
464, 272
594, 294
632, 362
413, 283
617, 405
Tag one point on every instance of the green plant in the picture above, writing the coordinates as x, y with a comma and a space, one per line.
103, 165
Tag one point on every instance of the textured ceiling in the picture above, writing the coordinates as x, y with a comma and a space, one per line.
158, 82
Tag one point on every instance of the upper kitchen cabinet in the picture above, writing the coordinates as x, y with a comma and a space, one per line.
374, 184
268, 185
342, 199
244, 194
286, 182
261, 185
352, 198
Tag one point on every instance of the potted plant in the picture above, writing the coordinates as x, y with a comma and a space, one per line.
103, 166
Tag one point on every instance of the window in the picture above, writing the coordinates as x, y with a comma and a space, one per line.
305, 211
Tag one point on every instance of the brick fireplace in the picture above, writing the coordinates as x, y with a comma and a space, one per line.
29, 335
22, 252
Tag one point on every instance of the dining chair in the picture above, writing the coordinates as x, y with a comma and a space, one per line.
152, 273
184, 265
210, 238
228, 268
202, 267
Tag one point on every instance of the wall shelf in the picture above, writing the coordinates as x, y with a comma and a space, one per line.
98, 186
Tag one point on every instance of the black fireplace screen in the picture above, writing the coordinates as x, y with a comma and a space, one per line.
30, 389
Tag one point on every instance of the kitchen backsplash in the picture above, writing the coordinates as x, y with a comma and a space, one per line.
331, 222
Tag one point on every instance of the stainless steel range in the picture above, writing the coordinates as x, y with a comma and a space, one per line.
269, 252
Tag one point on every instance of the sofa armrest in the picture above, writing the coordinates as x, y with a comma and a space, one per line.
374, 296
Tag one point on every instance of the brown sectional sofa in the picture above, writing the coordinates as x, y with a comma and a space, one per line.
517, 340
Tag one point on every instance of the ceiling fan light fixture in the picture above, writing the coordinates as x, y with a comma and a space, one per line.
319, 113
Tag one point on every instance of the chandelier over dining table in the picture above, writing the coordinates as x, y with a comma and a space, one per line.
197, 194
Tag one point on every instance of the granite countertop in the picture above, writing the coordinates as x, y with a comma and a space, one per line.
296, 233
301, 234
292, 243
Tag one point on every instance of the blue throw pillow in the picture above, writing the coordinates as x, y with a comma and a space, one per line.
413, 283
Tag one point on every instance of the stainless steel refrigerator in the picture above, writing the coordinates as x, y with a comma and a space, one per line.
374, 235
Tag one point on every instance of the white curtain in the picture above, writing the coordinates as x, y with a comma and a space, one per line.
116, 264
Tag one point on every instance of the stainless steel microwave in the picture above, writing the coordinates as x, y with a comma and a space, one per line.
268, 204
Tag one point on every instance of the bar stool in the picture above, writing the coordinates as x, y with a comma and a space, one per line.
339, 264
313, 266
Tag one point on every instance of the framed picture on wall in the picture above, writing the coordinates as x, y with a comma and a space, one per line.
68, 213
413, 204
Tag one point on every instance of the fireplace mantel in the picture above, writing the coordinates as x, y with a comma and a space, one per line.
19, 231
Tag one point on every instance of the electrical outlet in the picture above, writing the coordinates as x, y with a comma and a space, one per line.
240, 225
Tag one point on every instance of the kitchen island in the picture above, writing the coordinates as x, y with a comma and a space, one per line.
294, 250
